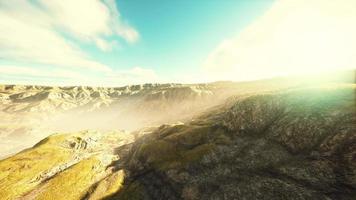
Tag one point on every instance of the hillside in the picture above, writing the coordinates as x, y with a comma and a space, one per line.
296, 143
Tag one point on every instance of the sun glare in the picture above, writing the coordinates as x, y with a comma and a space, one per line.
291, 38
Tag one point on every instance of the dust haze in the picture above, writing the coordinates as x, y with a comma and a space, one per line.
31, 113
26, 120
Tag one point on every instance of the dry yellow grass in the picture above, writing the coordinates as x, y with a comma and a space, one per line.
72, 183
46, 171
18, 173
108, 186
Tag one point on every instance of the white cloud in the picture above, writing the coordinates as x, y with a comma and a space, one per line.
105, 45
89, 19
135, 75
13, 74
85, 19
21, 72
119, 27
291, 37
32, 31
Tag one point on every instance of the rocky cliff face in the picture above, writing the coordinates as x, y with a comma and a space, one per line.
297, 143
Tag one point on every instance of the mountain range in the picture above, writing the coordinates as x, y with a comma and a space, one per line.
285, 138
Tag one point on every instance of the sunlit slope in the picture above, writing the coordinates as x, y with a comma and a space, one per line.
295, 144
62, 166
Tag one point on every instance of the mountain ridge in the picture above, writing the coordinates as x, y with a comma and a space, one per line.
296, 143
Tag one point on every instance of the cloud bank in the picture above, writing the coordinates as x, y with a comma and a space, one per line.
292, 37
46, 35
47, 32
63, 77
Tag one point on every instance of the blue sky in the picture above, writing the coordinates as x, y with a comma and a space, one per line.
114, 43
176, 36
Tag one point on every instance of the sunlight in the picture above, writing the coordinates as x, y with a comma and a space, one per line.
291, 38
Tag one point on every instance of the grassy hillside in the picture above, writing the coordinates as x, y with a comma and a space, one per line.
62, 166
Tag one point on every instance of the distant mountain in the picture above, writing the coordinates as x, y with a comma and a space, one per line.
30, 113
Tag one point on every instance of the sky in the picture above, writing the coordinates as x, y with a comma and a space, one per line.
123, 42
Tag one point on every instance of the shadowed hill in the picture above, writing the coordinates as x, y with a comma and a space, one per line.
299, 144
